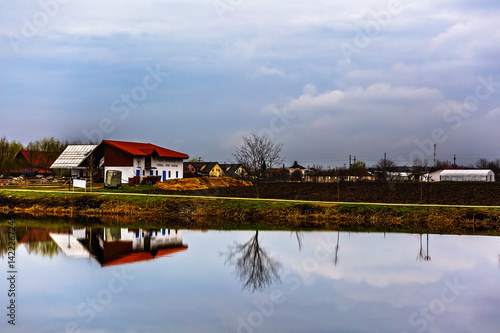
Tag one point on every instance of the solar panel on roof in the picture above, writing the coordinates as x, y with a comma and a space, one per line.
73, 156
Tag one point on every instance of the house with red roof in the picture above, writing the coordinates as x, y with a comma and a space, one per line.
141, 159
34, 161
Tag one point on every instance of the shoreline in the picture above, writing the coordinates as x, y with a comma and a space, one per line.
116, 209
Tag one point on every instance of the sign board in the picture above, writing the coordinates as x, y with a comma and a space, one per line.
82, 183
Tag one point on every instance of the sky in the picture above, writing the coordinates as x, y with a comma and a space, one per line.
328, 79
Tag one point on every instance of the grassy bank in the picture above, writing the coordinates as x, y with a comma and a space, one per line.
224, 213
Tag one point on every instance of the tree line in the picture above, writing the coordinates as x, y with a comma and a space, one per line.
42, 153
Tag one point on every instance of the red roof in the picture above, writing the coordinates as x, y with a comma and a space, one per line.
144, 149
37, 161
38, 157
143, 256
36, 235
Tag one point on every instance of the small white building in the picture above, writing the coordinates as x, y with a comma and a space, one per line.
432, 176
467, 175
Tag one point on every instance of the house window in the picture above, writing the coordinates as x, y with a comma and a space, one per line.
177, 174
143, 172
169, 174
157, 172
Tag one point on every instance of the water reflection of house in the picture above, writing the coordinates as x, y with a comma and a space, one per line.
119, 246
114, 246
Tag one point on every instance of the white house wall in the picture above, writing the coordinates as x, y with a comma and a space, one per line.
166, 168
127, 172
159, 238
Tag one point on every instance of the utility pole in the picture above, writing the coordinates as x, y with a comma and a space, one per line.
354, 159
349, 172
454, 160
385, 165
434, 156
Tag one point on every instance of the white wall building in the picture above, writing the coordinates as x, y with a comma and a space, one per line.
467, 176
142, 159
462, 175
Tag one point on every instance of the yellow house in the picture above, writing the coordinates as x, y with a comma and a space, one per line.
211, 169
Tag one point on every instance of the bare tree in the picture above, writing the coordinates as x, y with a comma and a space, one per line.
482, 163
4, 148
318, 168
385, 163
254, 267
256, 154
8, 152
43, 152
442, 164
90, 167
258, 151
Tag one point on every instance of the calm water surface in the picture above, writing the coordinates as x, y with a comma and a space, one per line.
166, 280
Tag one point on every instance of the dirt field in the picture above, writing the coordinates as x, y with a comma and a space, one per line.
451, 193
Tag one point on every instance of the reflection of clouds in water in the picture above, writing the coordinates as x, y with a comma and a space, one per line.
381, 261
375, 287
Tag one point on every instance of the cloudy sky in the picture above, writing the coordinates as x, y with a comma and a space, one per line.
326, 78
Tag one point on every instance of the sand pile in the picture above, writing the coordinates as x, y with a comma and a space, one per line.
200, 183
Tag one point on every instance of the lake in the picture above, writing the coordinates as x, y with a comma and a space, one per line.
76, 279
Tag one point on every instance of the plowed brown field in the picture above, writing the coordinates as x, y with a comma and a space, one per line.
449, 193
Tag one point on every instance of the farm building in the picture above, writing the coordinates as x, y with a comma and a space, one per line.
34, 161
136, 159
467, 175
75, 159
432, 176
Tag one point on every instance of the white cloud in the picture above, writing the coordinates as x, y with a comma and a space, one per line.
262, 57
265, 71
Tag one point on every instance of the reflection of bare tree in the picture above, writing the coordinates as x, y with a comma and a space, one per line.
336, 259
423, 256
46, 249
255, 269
299, 240
4, 242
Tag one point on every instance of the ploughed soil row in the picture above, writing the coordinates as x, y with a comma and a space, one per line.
445, 193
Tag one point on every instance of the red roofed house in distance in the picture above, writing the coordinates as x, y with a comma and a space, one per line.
142, 159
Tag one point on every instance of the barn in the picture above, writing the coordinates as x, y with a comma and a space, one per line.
467, 176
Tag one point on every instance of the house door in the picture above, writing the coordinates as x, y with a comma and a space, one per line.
164, 175
138, 173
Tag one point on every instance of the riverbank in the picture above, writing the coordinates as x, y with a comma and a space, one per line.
232, 213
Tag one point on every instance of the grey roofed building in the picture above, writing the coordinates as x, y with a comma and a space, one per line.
234, 170
73, 158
